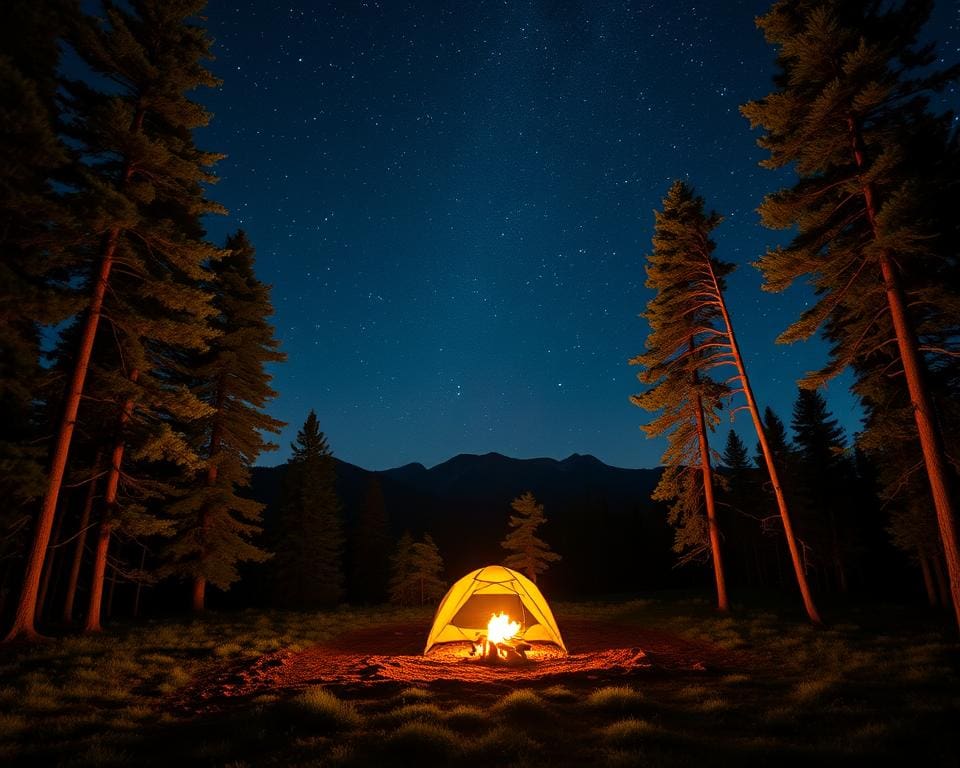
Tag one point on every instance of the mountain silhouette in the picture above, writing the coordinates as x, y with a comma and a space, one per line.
613, 539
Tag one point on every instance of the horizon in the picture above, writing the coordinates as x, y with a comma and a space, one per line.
429, 467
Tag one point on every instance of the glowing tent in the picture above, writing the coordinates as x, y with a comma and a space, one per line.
469, 604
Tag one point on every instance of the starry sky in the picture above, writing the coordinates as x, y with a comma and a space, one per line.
453, 200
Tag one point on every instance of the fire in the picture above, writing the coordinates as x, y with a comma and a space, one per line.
501, 628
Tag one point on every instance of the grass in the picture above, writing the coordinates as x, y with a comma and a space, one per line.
320, 709
840, 695
614, 699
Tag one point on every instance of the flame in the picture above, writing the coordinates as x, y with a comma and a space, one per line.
501, 628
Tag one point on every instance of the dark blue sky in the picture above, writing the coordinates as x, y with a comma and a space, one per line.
453, 202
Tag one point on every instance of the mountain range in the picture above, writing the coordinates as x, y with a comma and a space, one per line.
600, 519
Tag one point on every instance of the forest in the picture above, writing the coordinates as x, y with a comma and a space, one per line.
136, 388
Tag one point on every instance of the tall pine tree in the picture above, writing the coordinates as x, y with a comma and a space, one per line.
140, 197
698, 334
682, 334
216, 525
528, 553
827, 478
308, 565
851, 115
32, 223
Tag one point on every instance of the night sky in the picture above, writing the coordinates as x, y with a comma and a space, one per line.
453, 202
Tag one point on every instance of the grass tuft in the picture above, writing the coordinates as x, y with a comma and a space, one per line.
559, 693
615, 698
628, 732
502, 745
408, 695
420, 711
224, 650
321, 709
809, 691
418, 742
11, 725
464, 717
735, 679
99, 754
522, 706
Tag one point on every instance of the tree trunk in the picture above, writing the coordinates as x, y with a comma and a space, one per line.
216, 437
108, 609
928, 430
109, 502
942, 586
70, 598
23, 623
92, 623
48, 565
199, 588
707, 472
927, 578
798, 569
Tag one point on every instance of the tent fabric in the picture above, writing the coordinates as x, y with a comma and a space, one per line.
470, 602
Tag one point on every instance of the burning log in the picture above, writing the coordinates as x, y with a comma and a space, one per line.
499, 645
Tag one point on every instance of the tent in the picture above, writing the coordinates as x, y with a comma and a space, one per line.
470, 602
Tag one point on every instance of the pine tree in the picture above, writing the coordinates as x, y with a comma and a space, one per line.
735, 453
416, 572
215, 525
874, 235
32, 221
739, 511
692, 334
371, 547
308, 564
402, 587
682, 335
140, 197
784, 455
826, 476
80, 540
890, 441
527, 552
777, 439
426, 570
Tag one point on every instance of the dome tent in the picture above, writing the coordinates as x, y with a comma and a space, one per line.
470, 602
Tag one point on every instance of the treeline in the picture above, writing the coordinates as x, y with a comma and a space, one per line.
134, 426
324, 559
875, 233
133, 351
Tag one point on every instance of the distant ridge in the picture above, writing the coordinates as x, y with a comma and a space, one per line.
599, 518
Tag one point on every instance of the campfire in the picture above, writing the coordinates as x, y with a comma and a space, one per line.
500, 642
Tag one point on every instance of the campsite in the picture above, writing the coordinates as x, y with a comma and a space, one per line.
483, 384
661, 682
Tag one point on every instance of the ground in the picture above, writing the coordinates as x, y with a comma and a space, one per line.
663, 681
376, 660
